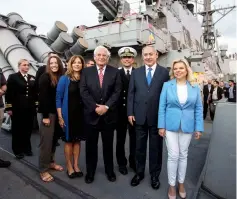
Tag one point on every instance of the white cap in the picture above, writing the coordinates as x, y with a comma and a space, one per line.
127, 52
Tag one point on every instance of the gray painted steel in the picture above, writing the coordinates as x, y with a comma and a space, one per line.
76, 34
28, 36
77, 49
12, 48
220, 173
63, 41
5, 66
55, 31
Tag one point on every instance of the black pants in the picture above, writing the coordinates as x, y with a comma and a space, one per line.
22, 126
231, 100
122, 127
155, 149
205, 108
107, 135
212, 113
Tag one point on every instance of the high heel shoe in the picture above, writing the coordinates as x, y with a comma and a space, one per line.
171, 197
72, 175
182, 195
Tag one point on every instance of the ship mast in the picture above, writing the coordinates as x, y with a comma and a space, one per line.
208, 23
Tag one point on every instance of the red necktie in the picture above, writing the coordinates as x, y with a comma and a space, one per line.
101, 77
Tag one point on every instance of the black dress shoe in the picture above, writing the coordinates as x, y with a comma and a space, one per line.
4, 164
29, 153
111, 177
136, 180
20, 156
123, 170
155, 183
89, 178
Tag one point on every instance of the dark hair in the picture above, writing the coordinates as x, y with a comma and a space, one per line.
232, 81
216, 82
54, 77
90, 61
70, 71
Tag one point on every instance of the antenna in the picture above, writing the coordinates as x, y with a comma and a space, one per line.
209, 36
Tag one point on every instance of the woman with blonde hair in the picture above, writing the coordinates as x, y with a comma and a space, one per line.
70, 114
180, 116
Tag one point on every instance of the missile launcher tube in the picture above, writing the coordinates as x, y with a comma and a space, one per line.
63, 41
53, 34
28, 36
5, 66
76, 34
12, 48
77, 49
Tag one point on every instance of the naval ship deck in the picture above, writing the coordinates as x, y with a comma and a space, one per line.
22, 180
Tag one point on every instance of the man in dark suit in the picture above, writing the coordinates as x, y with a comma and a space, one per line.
144, 91
100, 88
206, 91
21, 102
127, 55
215, 94
231, 92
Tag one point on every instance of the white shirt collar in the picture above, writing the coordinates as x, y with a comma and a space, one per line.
153, 67
24, 74
130, 70
98, 68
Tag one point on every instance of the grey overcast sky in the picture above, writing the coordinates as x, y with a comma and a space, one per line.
44, 13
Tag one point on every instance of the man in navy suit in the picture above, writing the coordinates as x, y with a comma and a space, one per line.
143, 101
100, 88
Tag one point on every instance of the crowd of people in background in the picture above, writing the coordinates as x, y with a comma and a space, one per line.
214, 91
85, 99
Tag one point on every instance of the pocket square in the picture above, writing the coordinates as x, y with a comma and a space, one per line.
32, 79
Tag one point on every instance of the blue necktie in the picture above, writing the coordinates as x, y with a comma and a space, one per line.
149, 77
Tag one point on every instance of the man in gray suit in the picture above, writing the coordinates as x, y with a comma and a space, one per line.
142, 108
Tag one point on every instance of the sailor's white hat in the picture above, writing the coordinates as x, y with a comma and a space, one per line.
127, 52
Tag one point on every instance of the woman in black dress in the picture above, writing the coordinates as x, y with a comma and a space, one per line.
70, 114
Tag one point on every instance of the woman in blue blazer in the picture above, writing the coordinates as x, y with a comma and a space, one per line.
180, 115
70, 114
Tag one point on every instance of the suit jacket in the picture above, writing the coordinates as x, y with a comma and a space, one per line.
123, 95
20, 93
92, 94
234, 92
173, 116
219, 93
41, 70
143, 100
206, 92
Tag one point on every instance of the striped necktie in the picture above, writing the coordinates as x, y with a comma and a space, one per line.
101, 77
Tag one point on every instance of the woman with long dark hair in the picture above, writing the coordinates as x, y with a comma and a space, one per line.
47, 107
70, 114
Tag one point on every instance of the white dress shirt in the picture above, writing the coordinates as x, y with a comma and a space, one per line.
98, 69
152, 71
125, 70
214, 94
25, 76
182, 92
